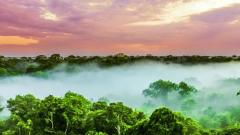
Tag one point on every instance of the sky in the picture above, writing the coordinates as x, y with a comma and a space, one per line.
134, 27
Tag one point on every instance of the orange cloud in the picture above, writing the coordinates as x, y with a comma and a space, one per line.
16, 40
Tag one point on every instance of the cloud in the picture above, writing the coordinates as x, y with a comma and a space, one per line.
103, 3
180, 11
16, 40
80, 27
222, 15
236, 21
49, 16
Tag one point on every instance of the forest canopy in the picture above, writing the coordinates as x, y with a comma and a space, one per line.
73, 114
167, 107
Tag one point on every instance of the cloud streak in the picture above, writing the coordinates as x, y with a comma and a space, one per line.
16, 40
179, 11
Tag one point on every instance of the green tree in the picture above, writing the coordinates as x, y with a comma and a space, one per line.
3, 72
185, 89
188, 105
9, 132
165, 122
230, 131
99, 106
75, 108
1, 106
95, 133
50, 112
160, 89
114, 119
24, 112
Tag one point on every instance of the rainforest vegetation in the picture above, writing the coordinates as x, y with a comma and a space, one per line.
73, 114
166, 106
27, 65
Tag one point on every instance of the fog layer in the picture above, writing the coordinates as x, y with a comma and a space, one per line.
125, 83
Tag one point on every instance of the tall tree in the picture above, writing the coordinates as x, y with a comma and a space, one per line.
160, 89
50, 112
24, 112
75, 108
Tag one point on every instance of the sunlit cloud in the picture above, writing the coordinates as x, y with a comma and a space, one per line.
131, 9
47, 15
180, 11
17, 40
236, 21
98, 5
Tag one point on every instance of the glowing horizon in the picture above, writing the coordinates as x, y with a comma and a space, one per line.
16, 40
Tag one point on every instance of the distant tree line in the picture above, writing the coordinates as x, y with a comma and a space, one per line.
28, 65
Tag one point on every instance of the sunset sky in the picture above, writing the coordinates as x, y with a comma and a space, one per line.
135, 27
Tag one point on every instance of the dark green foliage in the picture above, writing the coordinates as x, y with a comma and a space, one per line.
29, 65
165, 122
75, 115
230, 131
161, 89
3, 72
185, 89
1, 107
99, 106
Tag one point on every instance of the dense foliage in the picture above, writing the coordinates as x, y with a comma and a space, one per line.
73, 115
187, 99
161, 88
35, 65
165, 122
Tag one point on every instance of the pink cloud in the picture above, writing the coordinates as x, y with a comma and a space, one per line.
88, 27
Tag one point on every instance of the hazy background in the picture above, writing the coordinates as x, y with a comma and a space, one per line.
126, 83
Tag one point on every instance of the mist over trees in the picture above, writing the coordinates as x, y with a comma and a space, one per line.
161, 89
74, 114
182, 106
188, 100
10, 66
